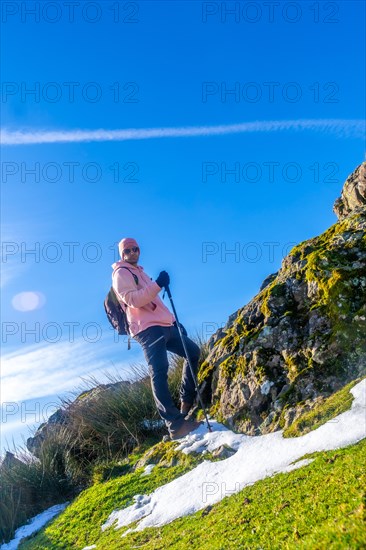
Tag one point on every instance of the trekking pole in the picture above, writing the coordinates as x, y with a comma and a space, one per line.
187, 357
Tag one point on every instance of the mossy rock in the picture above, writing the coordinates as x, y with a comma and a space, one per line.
326, 409
164, 454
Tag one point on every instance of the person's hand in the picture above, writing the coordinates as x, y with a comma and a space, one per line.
163, 279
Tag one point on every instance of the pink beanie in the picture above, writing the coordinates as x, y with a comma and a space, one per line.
126, 243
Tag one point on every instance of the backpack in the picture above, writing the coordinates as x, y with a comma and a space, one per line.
115, 312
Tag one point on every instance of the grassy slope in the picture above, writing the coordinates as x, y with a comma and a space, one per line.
331, 407
321, 505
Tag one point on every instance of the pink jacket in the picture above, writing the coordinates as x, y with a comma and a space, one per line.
144, 307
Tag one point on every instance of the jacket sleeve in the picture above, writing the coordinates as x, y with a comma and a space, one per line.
125, 287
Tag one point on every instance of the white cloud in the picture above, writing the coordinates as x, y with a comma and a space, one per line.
338, 127
53, 369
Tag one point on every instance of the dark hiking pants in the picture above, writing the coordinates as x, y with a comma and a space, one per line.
155, 342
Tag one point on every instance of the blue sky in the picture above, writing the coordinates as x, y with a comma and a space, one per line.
189, 200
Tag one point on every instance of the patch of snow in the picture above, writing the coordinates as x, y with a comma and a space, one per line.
34, 525
256, 458
140, 503
201, 439
148, 470
299, 464
265, 387
90, 547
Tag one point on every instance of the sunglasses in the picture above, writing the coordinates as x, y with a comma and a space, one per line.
129, 250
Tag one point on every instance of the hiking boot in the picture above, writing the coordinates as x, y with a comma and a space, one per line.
185, 407
186, 428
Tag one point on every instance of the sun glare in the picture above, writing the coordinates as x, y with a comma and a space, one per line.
28, 301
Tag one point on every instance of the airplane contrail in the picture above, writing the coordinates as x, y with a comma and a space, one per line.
338, 127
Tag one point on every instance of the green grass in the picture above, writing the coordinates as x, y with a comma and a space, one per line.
79, 525
331, 407
104, 424
320, 506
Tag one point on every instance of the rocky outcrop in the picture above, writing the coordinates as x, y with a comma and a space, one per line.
64, 415
10, 461
353, 193
303, 336
57, 419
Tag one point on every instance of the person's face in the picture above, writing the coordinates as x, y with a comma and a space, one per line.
131, 255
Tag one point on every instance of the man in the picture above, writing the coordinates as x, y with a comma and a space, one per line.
154, 327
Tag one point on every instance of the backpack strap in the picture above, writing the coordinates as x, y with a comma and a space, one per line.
137, 282
133, 274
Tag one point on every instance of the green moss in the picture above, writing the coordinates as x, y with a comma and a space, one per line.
233, 366
107, 470
292, 366
214, 413
338, 295
340, 302
259, 364
241, 418
281, 420
230, 342
104, 472
237, 333
321, 242
165, 454
205, 371
273, 290
241, 365
227, 367
322, 248
323, 412
260, 373
265, 296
